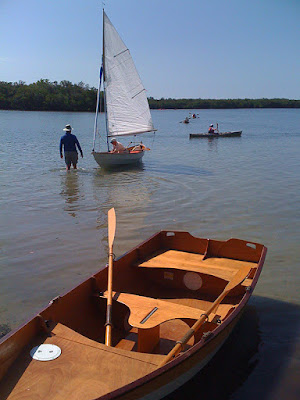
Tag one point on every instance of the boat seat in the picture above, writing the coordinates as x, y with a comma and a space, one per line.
146, 312
220, 267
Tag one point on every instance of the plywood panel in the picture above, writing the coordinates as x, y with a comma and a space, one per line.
85, 370
223, 268
141, 307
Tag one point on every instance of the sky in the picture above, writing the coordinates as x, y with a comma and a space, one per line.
215, 49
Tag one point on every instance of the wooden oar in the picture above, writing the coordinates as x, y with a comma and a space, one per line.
111, 235
238, 278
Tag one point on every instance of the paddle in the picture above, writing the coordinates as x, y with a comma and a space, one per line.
238, 278
111, 235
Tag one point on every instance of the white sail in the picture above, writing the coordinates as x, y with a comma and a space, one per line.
127, 106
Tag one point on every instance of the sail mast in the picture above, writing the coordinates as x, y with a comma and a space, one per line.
97, 109
104, 74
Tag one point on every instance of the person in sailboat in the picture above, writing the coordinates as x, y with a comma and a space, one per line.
70, 144
117, 147
211, 129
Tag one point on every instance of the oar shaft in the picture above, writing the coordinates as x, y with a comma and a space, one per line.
110, 277
109, 301
111, 236
108, 335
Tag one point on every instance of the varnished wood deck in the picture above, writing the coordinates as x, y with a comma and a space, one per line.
223, 268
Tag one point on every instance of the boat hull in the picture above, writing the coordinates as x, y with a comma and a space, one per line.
166, 383
174, 266
214, 135
111, 160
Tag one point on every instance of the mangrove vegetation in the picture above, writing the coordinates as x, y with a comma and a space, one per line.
44, 95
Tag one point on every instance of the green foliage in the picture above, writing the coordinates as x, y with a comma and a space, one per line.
44, 95
222, 103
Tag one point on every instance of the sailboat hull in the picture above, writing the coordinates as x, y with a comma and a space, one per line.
110, 160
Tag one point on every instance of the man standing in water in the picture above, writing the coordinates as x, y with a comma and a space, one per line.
69, 142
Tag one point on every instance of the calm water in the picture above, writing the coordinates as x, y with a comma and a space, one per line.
54, 224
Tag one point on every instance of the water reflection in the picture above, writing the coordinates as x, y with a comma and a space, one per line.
212, 144
70, 191
178, 169
120, 186
129, 191
122, 168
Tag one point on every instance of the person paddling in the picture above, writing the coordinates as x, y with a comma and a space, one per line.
211, 129
70, 144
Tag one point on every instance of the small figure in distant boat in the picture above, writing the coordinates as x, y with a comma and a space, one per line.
194, 115
117, 147
186, 121
70, 144
211, 129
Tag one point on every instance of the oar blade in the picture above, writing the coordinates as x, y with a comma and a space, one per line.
111, 226
239, 277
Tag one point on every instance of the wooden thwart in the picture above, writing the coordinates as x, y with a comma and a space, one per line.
140, 308
146, 314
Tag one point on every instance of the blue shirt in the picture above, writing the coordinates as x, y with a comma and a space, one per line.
69, 142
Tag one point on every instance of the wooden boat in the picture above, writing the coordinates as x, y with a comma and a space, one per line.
140, 327
216, 135
126, 106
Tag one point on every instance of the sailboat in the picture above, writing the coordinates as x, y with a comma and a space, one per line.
125, 102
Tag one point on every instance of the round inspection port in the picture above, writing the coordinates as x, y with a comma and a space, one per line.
45, 352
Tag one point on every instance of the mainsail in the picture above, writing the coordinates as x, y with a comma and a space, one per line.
127, 106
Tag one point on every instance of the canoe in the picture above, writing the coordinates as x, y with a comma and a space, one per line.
167, 307
216, 135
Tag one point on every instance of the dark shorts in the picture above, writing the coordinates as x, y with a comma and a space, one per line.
71, 157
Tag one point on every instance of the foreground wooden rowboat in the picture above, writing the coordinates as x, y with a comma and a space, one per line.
160, 289
216, 135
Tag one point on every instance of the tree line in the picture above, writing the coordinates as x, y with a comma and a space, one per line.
44, 95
